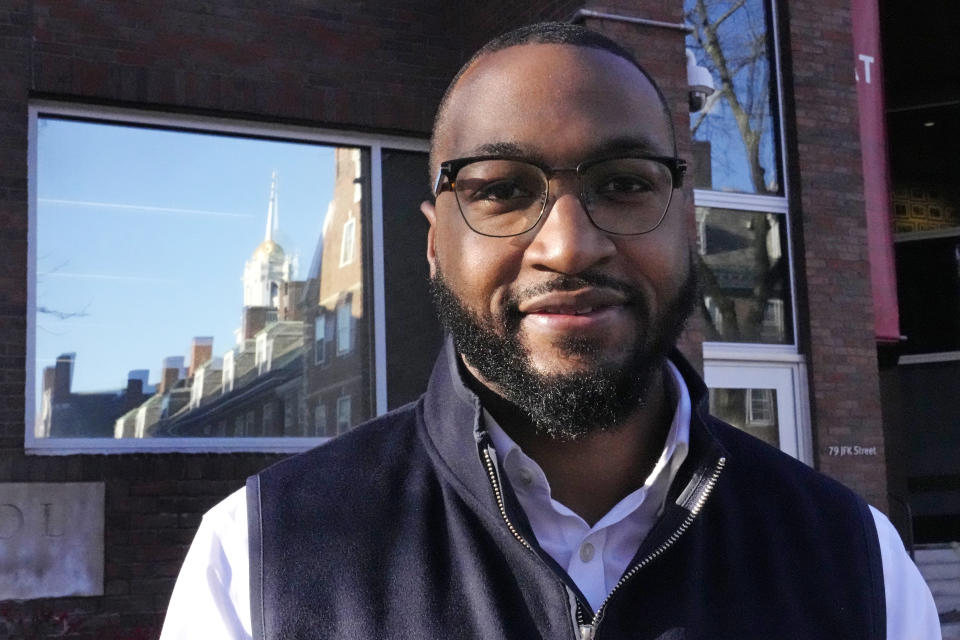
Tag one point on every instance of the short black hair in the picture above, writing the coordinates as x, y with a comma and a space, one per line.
546, 33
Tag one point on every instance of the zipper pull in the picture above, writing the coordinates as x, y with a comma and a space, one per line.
587, 631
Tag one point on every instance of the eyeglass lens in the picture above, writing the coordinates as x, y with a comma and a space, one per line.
507, 197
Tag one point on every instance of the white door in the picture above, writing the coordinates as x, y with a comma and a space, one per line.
767, 400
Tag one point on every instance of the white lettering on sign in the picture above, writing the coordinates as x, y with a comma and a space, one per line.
850, 450
867, 61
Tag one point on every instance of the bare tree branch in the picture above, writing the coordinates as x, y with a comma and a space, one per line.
729, 12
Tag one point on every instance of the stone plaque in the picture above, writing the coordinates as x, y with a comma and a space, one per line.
51, 540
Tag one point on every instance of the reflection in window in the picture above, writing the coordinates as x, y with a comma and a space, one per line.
347, 242
753, 410
139, 252
344, 322
319, 339
268, 418
744, 275
320, 420
344, 417
735, 144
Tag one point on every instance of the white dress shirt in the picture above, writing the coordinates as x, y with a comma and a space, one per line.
211, 599
595, 557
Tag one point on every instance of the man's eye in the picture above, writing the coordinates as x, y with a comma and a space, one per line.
501, 190
623, 186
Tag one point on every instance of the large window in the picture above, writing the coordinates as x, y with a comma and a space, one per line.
186, 275
742, 213
755, 373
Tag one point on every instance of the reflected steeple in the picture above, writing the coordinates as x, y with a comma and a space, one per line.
269, 266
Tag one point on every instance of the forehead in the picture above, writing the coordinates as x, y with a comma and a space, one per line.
558, 103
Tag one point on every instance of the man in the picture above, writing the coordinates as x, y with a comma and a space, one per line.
560, 477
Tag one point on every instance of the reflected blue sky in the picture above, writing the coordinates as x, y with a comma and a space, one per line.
743, 40
145, 232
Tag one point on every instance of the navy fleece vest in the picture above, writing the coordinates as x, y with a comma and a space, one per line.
394, 530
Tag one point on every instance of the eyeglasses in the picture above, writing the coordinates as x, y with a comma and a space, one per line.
502, 196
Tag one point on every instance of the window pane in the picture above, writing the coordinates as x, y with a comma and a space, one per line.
184, 280
753, 410
412, 330
343, 413
928, 289
735, 141
344, 322
319, 339
744, 275
320, 420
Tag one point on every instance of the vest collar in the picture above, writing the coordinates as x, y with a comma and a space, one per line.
454, 426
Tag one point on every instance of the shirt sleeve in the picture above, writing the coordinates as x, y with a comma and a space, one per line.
211, 598
911, 612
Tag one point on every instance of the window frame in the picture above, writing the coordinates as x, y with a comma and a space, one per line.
373, 144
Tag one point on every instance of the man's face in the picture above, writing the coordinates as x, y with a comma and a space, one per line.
572, 300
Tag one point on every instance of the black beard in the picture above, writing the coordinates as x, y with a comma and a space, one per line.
565, 406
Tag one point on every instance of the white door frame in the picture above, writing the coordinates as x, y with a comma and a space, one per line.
789, 377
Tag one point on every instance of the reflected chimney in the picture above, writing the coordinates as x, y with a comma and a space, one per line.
170, 373
201, 350
254, 319
63, 376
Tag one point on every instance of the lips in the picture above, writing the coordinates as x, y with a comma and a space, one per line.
567, 311
573, 303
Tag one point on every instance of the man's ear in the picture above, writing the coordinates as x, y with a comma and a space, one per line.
430, 212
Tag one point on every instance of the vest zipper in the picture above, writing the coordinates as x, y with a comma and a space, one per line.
589, 629
495, 483
497, 493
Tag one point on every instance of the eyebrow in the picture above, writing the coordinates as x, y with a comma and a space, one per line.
621, 144
506, 149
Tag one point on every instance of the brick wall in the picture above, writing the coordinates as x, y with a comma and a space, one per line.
332, 63
482, 20
831, 258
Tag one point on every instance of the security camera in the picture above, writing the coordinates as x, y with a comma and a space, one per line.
700, 82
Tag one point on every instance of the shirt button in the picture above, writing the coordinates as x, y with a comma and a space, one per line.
525, 476
586, 552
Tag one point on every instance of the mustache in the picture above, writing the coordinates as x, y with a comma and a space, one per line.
510, 315
583, 280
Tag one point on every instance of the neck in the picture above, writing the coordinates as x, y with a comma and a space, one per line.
591, 474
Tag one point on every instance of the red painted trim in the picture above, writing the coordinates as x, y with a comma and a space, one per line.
876, 168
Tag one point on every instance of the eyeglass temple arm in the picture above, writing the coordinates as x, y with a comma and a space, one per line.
438, 183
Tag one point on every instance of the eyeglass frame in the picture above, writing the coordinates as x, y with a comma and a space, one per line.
450, 168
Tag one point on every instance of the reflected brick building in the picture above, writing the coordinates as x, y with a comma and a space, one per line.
301, 365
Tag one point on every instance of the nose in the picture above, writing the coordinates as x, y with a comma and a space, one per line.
566, 241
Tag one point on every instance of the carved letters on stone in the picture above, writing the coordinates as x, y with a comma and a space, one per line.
51, 539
